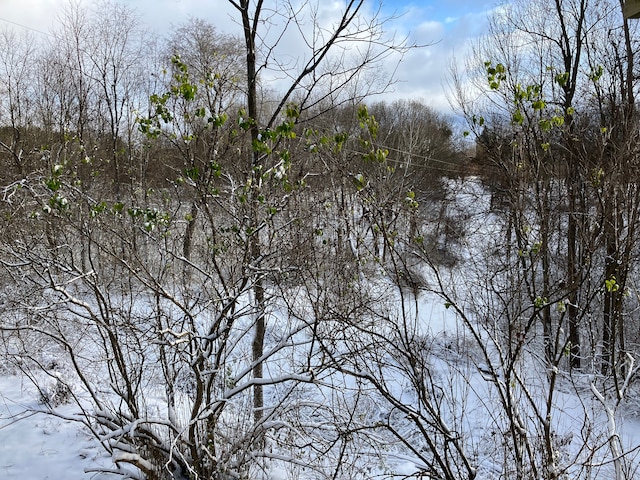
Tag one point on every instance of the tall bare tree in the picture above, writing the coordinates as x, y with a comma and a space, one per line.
307, 85
18, 58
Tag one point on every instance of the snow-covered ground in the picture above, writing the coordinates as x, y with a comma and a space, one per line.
37, 446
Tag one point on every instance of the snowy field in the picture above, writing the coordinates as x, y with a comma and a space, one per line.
37, 446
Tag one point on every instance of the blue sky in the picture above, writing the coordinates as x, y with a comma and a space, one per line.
443, 10
447, 26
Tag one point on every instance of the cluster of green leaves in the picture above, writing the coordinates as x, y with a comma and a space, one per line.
496, 74
531, 97
103, 207
57, 201
195, 174
530, 251
540, 302
596, 73
410, 200
372, 153
151, 218
529, 103
369, 128
274, 144
181, 88
611, 284
269, 139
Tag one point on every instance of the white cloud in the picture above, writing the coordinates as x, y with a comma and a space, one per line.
422, 73
33, 15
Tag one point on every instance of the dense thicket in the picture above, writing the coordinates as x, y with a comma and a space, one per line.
561, 142
187, 254
557, 126
242, 267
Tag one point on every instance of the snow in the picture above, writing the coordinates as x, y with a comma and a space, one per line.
38, 446
34, 444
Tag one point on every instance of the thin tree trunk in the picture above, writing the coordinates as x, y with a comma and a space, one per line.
249, 27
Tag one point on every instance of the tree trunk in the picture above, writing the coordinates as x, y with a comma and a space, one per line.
249, 29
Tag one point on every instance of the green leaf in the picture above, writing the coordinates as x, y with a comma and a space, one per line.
538, 105
359, 181
517, 117
562, 78
545, 124
596, 73
292, 111
53, 184
540, 302
535, 248
193, 173
218, 119
188, 91
611, 284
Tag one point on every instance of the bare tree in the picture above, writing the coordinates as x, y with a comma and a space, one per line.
18, 57
306, 85
114, 53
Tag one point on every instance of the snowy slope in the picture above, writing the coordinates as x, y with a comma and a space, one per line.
37, 446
